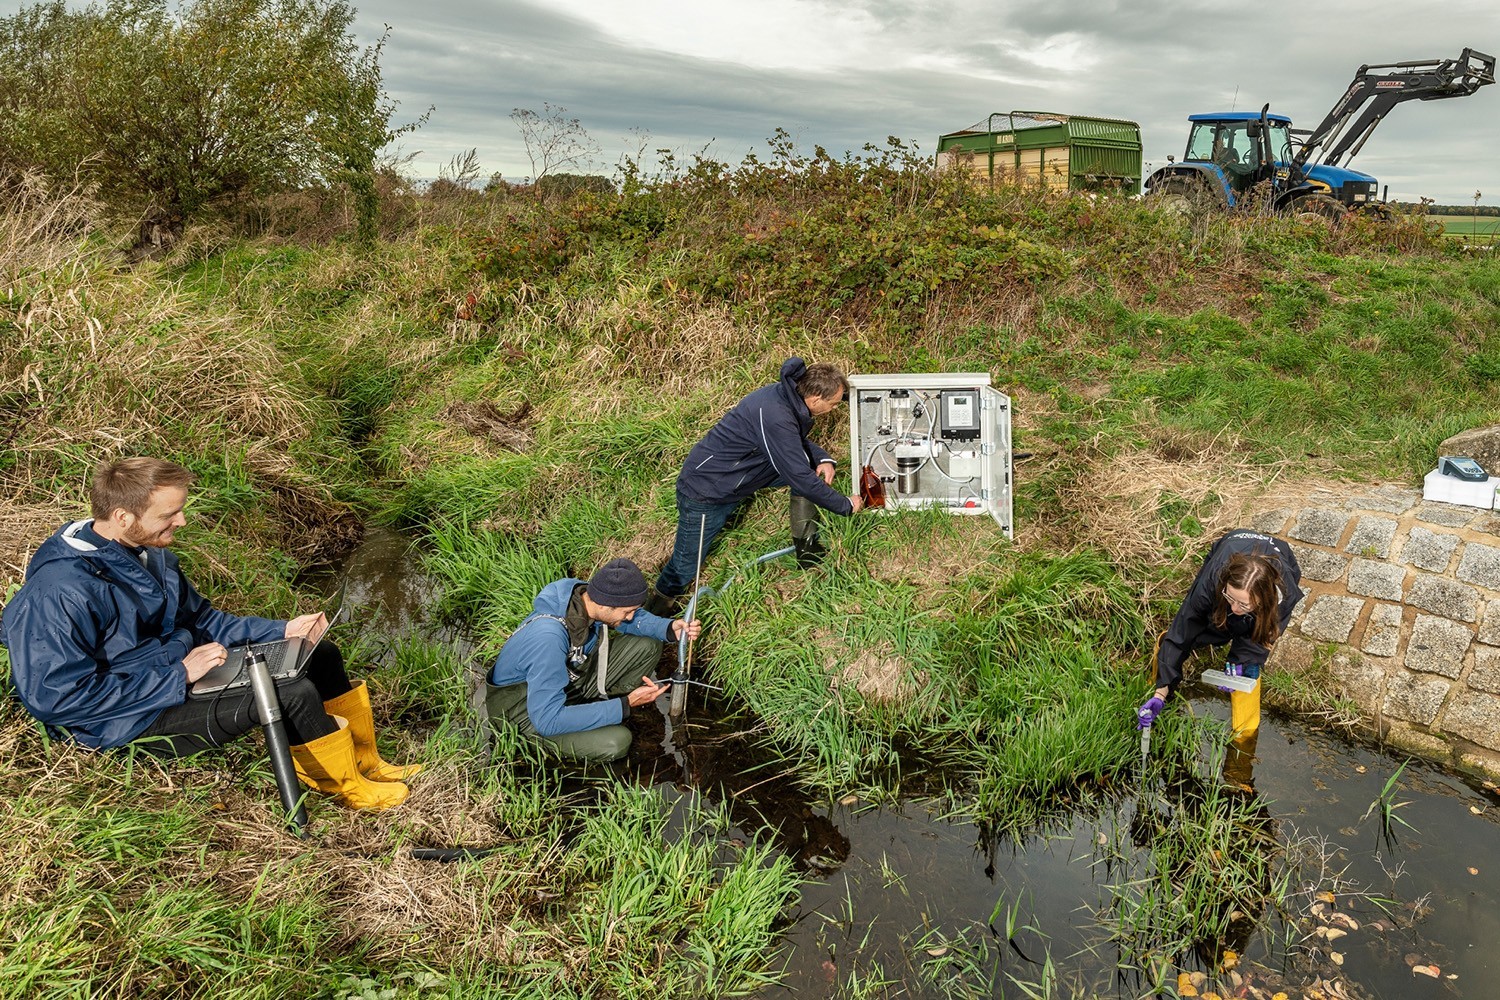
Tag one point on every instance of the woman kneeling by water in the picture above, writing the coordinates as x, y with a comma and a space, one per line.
1243, 596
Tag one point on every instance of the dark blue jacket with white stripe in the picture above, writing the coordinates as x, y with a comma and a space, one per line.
761, 442
97, 640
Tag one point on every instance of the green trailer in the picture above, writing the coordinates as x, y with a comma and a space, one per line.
1047, 148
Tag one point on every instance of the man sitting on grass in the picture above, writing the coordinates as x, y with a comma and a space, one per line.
107, 636
560, 679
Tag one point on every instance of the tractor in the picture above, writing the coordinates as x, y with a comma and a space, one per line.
1248, 160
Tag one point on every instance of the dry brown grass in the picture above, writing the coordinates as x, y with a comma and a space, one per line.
1117, 503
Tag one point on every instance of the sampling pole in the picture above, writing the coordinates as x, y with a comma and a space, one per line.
269, 708
678, 704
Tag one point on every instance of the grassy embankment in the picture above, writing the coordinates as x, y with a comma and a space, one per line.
518, 383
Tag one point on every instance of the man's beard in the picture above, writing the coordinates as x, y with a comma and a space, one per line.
137, 538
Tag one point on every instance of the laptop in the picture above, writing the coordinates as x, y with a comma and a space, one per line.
285, 658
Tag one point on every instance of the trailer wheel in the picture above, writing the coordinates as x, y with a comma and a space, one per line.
1318, 208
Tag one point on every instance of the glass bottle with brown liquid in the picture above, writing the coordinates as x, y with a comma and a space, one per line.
871, 489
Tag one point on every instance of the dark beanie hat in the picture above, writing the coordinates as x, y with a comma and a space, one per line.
619, 583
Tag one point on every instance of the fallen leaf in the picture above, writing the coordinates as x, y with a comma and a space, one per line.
1325, 897
1333, 933
937, 952
1338, 959
1185, 987
1473, 871
1360, 768
1476, 810
849, 800
1198, 978
1344, 920
1236, 980
1280, 996
1412, 958
1102, 838
1427, 970
1211, 996
1451, 975
1381, 925
1230, 960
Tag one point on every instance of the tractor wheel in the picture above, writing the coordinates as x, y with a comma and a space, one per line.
1180, 196
1318, 208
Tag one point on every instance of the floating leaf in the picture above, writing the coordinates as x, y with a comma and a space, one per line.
1427, 970
1280, 996
1345, 921
1230, 960
1476, 810
1333, 933
1451, 975
1185, 987
1338, 959
1360, 768
849, 800
1412, 958
1473, 871
937, 952
1102, 838
1325, 897
1198, 978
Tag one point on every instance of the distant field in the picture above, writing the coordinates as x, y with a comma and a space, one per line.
1468, 225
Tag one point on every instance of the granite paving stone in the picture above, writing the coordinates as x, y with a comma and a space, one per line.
1319, 564
1480, 564
1383, 631
1414, 698
1475, 716
1272, 522
1376, 579
1489, 628
1372, 537
1437, 646
1431, 550
1445, 597
1386, 499
1486, 673
1331, 618
1449, 515
1319, 526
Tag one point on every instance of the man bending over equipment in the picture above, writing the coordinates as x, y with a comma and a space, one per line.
107, 636
561, 679
761, 442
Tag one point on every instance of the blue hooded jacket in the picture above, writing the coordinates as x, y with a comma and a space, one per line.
1193, 627
96, 640
537, 653
761, 442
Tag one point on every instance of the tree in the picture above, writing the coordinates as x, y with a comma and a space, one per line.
553, 141
172, 112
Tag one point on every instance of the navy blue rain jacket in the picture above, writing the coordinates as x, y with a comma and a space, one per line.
761, 442
96, 640
1193, 628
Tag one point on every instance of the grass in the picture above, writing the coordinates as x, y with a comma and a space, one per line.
516, 383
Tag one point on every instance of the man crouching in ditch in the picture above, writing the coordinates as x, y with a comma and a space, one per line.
107, 638
560, 678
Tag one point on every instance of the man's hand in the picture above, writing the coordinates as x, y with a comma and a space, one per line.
648, 692
693, 629
826, 470
312, 626
857, 503
202, 659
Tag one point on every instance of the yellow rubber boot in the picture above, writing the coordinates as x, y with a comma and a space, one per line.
354, 705
327, 764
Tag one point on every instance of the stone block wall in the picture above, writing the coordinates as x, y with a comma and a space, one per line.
1411, 590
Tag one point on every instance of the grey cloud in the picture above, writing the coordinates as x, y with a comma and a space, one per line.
1153, 63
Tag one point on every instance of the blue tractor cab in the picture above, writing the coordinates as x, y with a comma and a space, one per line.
1236, 159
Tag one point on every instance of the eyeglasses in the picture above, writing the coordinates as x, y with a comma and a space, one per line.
1238, 607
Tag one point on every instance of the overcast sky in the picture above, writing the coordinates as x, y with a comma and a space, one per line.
840, 73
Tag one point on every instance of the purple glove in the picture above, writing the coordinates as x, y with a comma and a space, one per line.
1147, 713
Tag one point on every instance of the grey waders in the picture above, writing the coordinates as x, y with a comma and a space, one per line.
627, 658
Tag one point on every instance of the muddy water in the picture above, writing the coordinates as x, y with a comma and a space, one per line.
881, 879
